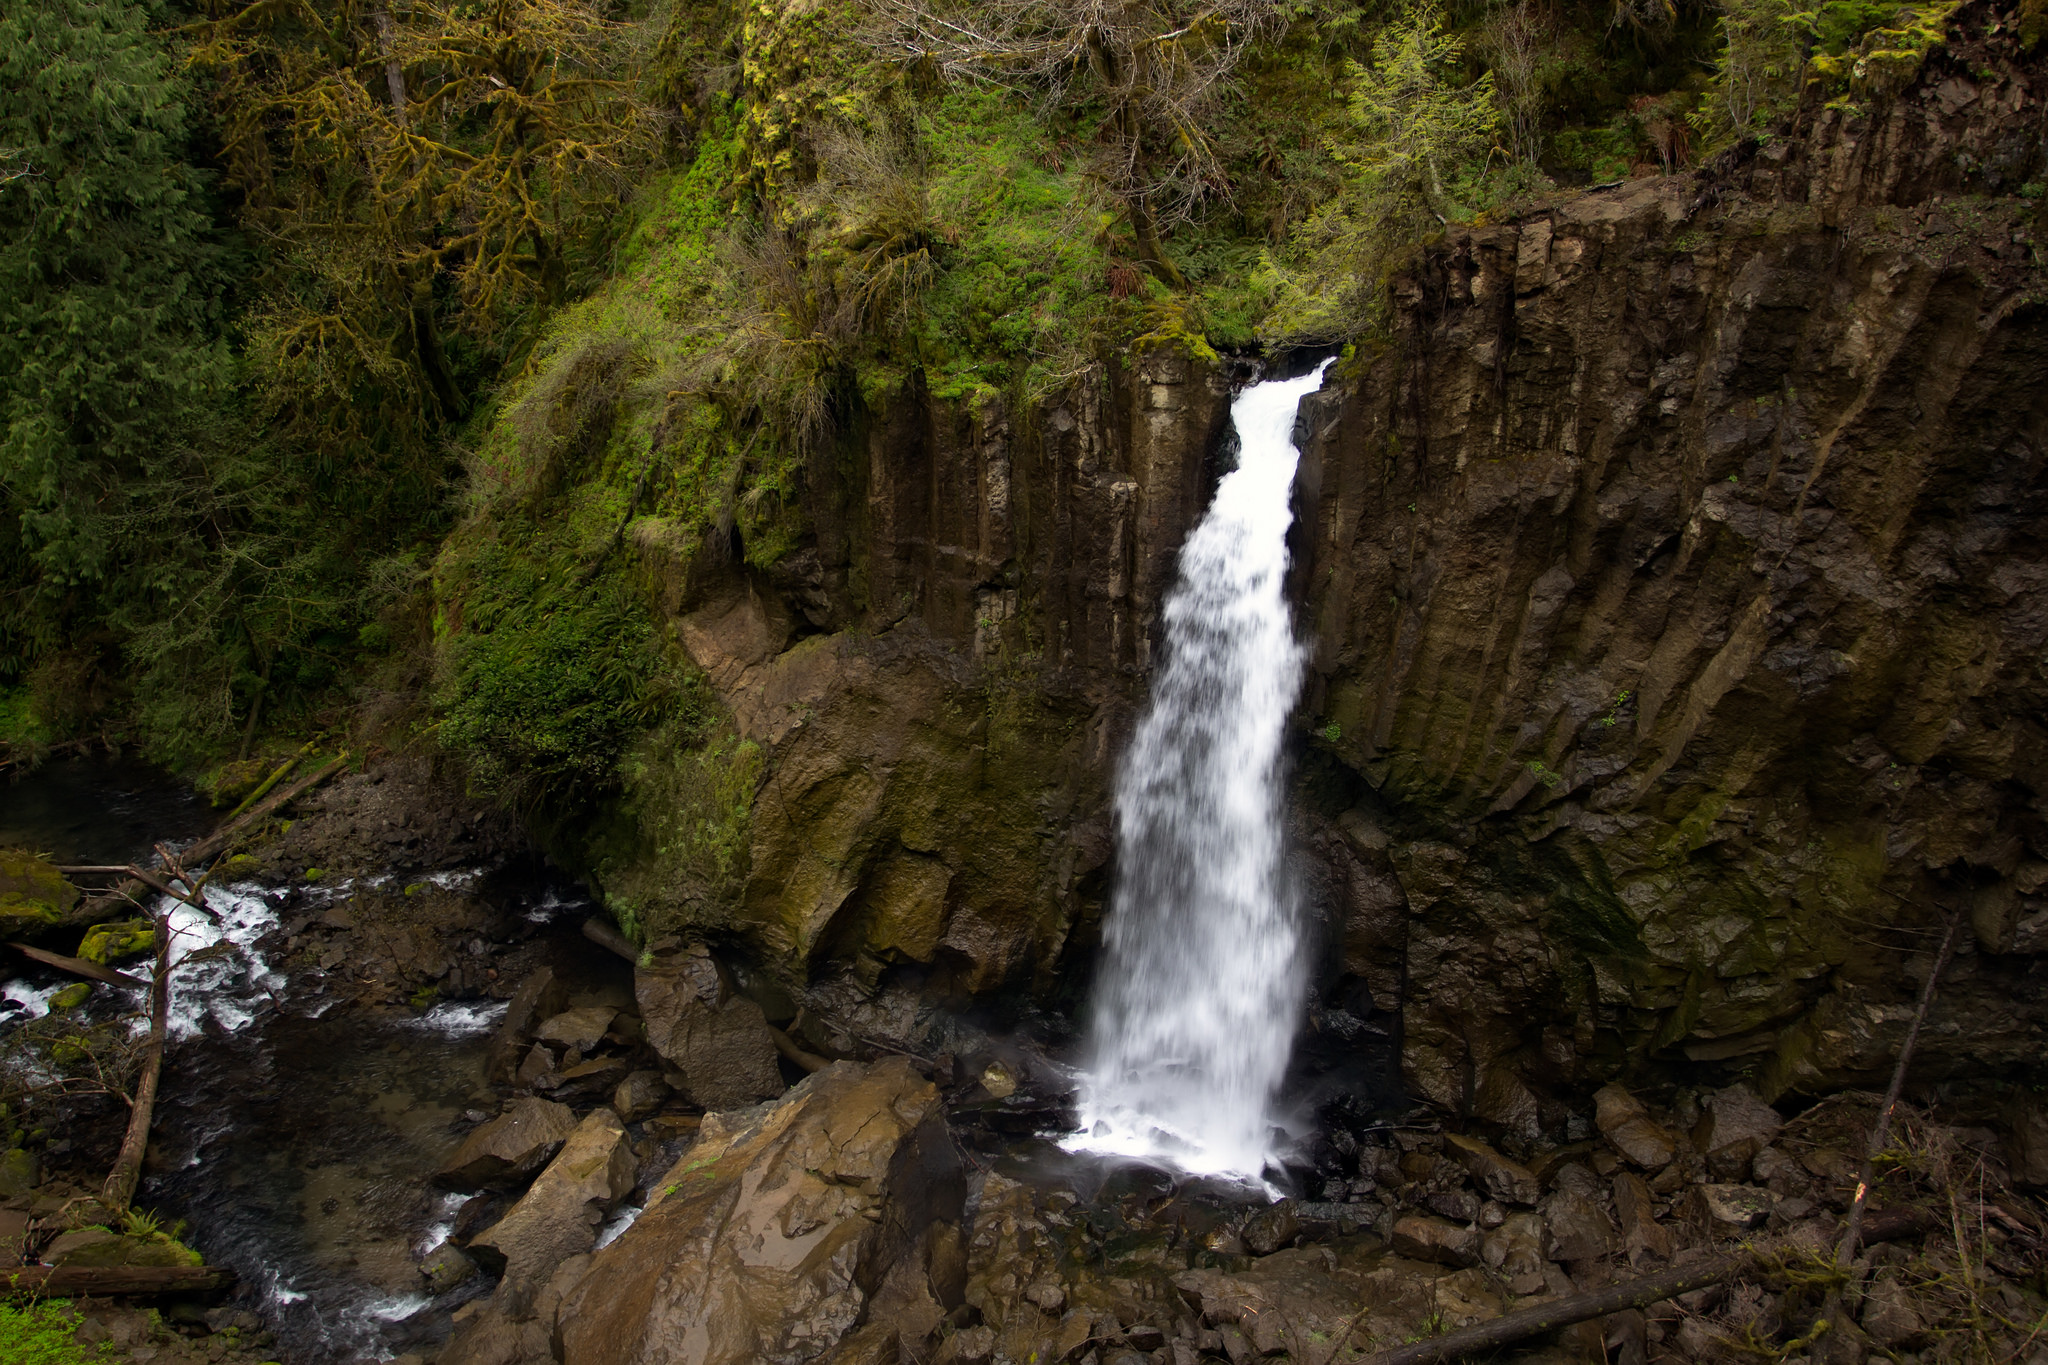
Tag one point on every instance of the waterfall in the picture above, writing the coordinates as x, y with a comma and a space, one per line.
1202, 978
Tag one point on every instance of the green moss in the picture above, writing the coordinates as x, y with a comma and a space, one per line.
550, 671
72, 996
673, 854
41, 1333
105, 943
33, 893
1023, 297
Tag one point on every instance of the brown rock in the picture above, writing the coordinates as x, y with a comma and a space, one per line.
715, 1038
1436, 1239
578, 1028
510, 1149
1730, 1210
1889, 1317
1266, 1231
2026, 1143
1735, 1126
558, 1217
1634, 1208
639, 1095
1579, 1229
1624, 1121
1502, 1179
761, 1244
1514, 1251
539, 996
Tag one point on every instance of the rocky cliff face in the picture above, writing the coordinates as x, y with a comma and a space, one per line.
941, 678
1679, 587
1677, 579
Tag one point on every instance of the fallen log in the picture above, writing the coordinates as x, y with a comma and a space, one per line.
1549, 1317
604, 936
263, 788
206, 850
75, 1281
787, 1046
119, 1190
78, 966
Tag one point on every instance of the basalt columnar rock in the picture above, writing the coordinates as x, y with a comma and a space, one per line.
1678, 599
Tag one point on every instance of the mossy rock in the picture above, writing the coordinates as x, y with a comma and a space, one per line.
33, 893
230, 782
72, 996
18, 1172
105, 943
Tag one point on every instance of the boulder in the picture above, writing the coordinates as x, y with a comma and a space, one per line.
1508, 1181
446, 1267
1641, 1236
107, 943
716, 1038
1293, 1288
1627, 1125
510, 1149
1579, 1229
33, 893
639, 1095
19, 1172
540, 996
560, 1216
766, 1241
1889, 1318
2026, 1143
1730, 1210
581, 1029
1423, 1238
1266, 1231
1733, 1128
1514, 1251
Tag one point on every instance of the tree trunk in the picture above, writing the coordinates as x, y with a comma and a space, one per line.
119, 1191
75, 1281
394, 74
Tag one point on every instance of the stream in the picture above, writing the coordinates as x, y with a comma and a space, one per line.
298, 1130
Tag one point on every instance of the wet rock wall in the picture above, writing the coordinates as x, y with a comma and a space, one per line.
1679, 588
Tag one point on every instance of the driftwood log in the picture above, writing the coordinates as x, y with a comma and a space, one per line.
74, 1281
78, 966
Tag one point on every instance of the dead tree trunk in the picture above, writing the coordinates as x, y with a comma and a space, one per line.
119, 1191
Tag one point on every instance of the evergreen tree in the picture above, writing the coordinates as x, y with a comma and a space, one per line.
110, 305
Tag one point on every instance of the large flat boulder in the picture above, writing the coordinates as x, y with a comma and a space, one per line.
714, 1036
511, 1149
768, 1238
560, 1216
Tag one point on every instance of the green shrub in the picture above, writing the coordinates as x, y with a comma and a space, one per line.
40, 1333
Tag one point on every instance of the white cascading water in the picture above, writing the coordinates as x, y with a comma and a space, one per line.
1202, 980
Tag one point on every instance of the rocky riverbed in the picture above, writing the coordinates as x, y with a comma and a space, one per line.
423, 1116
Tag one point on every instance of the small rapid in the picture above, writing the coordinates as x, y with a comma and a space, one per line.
1202, 982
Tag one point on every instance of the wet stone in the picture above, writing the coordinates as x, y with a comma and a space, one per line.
1624, 1122
1266, 1231
1436, 1239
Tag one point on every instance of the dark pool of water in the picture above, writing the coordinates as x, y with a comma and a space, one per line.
99, 810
